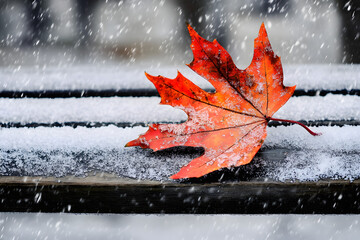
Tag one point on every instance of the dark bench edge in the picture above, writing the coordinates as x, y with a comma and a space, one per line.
310, 123
322, 197
79, 93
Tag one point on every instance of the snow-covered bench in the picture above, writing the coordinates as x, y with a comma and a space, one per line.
63, 132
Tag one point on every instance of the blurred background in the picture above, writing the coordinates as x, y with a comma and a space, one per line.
42, 33
44, 226
50, 32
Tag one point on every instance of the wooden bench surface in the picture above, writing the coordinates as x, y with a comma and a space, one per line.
63, 132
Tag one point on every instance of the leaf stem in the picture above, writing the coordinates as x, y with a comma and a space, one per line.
291, 121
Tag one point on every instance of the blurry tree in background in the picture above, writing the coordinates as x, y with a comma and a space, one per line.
195, 11
85, 20
350, 19
38, 18
61, 32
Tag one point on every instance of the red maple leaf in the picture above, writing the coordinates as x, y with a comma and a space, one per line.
229, 124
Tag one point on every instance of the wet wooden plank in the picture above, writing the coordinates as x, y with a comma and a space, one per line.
114, 195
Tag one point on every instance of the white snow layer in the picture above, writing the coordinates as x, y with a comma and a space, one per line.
148, 109
328, 77
329, 107
68, 151
114, 109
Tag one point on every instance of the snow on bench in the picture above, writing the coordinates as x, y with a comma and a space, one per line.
67, 151
147, 109
46, 165
120, 77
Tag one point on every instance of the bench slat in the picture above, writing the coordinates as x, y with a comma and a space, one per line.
115, 77
289, 153
142, 93
145, 110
